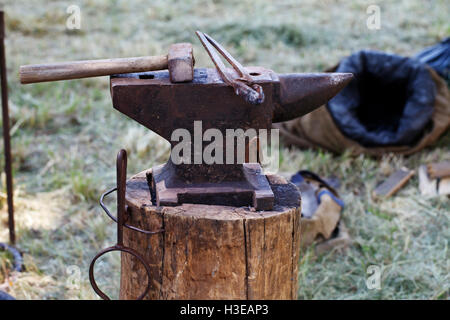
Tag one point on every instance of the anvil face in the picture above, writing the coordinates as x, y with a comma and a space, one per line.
163, 106
153, 101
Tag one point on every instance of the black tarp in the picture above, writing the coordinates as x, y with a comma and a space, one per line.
438, 57
389, 102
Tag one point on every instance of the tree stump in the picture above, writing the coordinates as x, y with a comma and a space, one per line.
212, 252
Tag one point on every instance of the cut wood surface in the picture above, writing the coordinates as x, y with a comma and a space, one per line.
394, 183
213, 252
432, 186
439, 170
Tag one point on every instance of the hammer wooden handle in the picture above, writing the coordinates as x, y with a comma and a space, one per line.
90, 68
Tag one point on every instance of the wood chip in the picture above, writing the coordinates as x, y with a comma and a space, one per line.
430, 187
394, 183
439, 170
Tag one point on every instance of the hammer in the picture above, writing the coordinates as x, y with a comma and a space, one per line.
180, 62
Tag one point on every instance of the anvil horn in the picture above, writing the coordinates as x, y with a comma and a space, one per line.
301, 93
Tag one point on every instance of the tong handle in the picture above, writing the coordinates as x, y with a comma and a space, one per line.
243, 86
245, 76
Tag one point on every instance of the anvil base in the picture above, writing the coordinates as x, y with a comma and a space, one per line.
254, 190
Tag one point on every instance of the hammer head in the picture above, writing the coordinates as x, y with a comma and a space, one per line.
181, 62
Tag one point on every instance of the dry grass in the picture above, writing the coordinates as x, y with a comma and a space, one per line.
66, 135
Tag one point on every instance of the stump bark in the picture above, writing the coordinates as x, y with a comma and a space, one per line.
212, 252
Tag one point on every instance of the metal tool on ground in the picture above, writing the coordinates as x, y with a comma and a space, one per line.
121, 219
6, 134
180, 57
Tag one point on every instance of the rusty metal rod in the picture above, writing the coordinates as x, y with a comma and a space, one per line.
6, 136
121, 218
121, 189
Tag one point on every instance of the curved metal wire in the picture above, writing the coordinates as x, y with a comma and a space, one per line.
115, 219
122, 249
18, 261
120, 220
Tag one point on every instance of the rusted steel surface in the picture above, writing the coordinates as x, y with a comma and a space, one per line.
121, 219
6, 135
215, 97
153, 101
163, 107
301, 93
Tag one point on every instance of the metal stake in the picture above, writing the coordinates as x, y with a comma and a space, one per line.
121, 219
6, 136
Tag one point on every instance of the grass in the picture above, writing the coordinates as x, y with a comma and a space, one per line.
65, 136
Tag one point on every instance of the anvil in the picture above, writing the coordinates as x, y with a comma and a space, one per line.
151, 99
